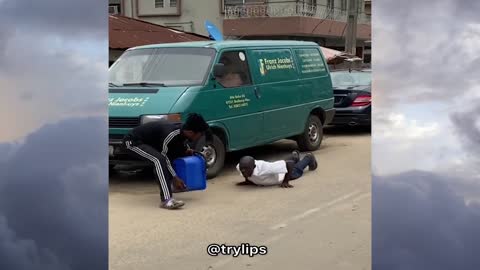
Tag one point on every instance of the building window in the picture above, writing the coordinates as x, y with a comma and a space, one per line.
159, 4
331, 4
307, 7
344, 5
114, 9
241, 2
310, 2
238, 3
233, 2
157, 8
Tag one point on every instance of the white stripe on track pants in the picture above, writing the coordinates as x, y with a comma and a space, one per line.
164, 177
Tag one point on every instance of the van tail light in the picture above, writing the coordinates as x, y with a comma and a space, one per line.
362, 100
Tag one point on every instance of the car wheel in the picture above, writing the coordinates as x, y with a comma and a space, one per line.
214, 154
312, 136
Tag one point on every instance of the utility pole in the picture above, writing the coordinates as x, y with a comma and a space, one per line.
351, 37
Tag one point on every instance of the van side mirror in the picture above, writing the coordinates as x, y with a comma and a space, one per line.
218, 70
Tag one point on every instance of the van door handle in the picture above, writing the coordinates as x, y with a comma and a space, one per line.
257, 92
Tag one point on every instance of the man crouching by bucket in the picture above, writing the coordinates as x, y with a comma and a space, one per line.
159, 142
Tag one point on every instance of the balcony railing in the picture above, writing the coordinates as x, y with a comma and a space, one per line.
289, 9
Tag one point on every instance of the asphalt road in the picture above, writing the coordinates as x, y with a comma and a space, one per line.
324, 222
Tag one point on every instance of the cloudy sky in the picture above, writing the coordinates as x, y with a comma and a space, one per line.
426, 134
52, 61
53, 167
426, 72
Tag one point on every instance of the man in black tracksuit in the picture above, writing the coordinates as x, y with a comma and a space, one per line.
161, 142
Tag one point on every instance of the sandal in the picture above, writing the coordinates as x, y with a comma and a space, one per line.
172, 204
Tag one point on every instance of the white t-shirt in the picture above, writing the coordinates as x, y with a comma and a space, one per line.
267, 173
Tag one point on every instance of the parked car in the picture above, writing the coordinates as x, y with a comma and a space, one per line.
353, 97
250, 92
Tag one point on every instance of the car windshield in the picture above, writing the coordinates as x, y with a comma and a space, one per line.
345, 78
162, 67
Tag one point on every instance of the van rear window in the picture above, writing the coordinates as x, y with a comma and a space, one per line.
310, 62
274, 65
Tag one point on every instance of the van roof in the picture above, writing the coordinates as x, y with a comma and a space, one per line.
218, 45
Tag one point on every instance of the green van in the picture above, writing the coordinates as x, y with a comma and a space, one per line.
251, 93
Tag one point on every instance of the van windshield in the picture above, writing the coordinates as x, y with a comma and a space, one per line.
162, 67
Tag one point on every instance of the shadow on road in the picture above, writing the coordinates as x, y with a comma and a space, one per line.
347, 130
123, 175
274, 151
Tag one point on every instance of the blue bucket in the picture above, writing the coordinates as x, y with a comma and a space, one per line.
192, 171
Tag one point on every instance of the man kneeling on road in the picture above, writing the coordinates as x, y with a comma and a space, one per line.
159, 142
263, 173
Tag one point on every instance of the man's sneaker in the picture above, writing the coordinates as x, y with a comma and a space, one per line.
296, 156
172, 204
313, 164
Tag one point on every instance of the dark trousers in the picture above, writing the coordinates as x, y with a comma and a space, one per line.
164, 177
300, 166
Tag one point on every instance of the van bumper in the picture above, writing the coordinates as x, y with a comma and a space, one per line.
118, 155
329, 114
352, 116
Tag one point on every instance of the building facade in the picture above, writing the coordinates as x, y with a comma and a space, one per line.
125, 32
183, 15
321, 21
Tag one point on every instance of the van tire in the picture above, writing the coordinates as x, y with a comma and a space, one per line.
312, 136
219, 147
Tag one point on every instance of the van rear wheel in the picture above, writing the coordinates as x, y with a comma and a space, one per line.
311, 138
214, 154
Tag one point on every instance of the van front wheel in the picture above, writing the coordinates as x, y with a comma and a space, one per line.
312, 136
214, 154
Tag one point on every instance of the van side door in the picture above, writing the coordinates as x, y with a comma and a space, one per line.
276, 78
231, 101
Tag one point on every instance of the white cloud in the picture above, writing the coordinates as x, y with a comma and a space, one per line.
401, 142
79, 20
471, 40
50, 66
396, 126
53, 64
426, 100
417, 60
424, 73
45, 84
